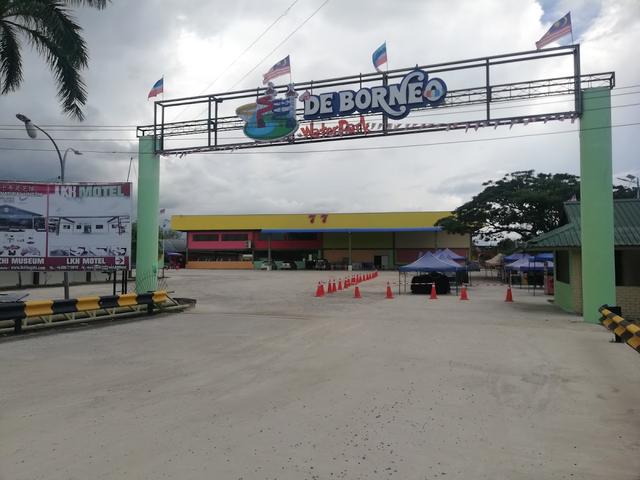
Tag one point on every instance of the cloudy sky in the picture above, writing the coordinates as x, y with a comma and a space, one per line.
192, 43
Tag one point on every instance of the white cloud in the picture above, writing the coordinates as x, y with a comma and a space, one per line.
191, 42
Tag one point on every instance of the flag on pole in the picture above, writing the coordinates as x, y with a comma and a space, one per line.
379, 56
281, 68
558, 30
157, 89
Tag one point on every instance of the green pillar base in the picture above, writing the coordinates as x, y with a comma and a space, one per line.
596, 203
148, 213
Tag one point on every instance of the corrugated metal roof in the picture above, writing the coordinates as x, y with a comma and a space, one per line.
626, 220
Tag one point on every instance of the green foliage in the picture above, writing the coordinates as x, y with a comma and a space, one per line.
50, 28
519, 203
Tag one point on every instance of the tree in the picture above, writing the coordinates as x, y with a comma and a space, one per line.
49, 27
520, 203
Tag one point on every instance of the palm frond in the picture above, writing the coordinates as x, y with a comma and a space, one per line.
99, 4
71, 88
10, 59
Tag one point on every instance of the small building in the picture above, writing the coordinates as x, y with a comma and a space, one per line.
565, 242
340, 240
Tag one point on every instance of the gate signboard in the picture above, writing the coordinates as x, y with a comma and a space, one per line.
53, 226
495, 91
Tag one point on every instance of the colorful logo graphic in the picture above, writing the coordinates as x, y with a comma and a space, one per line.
270, 118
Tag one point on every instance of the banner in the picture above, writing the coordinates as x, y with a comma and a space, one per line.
54, 226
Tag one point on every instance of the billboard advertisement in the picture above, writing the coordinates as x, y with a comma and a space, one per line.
54, 226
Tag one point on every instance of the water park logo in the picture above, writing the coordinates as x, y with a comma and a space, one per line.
270, 118
415, 90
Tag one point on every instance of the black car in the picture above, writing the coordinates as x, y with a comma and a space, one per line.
421, 284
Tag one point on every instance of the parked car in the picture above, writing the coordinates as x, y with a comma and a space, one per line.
421, 284
322, 264
288, 266
266, 264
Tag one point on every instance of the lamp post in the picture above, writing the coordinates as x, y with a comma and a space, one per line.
632, 179
31, 131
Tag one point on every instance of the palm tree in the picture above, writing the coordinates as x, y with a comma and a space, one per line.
49, 27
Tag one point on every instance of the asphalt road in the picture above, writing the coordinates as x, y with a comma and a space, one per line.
263, 381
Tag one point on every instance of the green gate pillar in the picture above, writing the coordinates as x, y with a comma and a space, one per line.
596, 203
148, 212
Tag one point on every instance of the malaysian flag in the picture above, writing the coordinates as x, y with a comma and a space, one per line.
157, 88
559, 29
379, 57
280, 68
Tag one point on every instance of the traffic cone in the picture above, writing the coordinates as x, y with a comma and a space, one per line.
463, 293
340, 284
389, 292
356, 293
320, 290
509, 295
433, 295
347, 284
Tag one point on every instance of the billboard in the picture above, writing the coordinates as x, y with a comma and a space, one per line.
54, 226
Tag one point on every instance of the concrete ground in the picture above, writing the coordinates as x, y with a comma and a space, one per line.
263, 381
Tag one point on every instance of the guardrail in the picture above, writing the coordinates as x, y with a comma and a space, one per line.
44, 313
628, 332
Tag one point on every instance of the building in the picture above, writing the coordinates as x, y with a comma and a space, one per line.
565, 242
360, 240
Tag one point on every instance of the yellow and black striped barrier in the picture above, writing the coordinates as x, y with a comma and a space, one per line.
21, 312
628, 332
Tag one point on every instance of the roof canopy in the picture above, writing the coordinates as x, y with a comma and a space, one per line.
626, 227
543, 257
448, 254
527, 264
430, 263
515, 256
497, 260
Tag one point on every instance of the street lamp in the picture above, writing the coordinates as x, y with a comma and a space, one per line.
632, 179
31, 131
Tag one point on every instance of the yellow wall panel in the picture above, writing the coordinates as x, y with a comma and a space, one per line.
310, 221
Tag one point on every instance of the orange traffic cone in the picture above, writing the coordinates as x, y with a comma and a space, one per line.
356, 293
509, 295
463, 293
320, 290
340, 284
433, 295
389, 292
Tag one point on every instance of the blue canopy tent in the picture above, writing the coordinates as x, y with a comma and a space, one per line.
514, 256
429, 263
448, 254
543, 257
529, 265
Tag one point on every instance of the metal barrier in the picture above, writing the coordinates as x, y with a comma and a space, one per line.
43, 313
628, 332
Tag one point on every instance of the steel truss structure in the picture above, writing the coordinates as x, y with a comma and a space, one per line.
211, 133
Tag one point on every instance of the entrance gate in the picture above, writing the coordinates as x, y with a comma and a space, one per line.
420, 99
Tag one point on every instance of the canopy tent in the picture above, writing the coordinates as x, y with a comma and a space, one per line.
495, 261
447, 254
515, 256
529, 265
430, 263
543, 257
